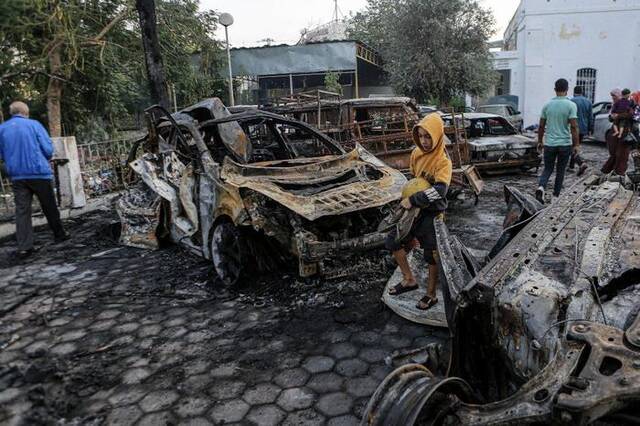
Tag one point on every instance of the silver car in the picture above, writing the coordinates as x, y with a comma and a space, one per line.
601, 123
505, 110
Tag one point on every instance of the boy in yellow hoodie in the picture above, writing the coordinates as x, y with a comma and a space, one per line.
429, 161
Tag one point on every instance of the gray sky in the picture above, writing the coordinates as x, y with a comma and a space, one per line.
282, 20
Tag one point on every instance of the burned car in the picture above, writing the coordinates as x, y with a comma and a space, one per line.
495, 145
383, 126
254, 189
546, 332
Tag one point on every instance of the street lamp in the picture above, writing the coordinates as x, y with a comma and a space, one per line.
226, 20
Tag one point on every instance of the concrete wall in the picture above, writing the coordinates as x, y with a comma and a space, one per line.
555, 38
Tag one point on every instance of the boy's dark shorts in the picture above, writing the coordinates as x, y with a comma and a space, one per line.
424, 231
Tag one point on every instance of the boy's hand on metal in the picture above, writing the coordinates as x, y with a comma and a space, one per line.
406, 203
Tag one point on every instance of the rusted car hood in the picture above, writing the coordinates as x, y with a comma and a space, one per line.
324, 186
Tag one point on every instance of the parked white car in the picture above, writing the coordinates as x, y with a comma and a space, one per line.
507, 111
601, 123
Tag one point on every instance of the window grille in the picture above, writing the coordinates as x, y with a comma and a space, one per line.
586, 78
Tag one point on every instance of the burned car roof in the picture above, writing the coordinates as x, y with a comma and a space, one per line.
476, 115
380, 101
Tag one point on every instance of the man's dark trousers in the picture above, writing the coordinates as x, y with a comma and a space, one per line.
23, 191
558, 157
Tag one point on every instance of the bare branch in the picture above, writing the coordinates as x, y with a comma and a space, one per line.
97, 40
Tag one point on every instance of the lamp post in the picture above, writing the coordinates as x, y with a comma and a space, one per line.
226, 20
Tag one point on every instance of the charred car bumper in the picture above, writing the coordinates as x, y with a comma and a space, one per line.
315, 251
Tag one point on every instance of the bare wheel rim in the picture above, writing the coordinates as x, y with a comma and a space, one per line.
412, 395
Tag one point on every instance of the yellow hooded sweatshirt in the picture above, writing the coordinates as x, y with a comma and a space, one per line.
434, 165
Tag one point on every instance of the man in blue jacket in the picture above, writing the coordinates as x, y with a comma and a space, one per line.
26, 150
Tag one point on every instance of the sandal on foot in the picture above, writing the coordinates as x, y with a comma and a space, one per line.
399, 289
426, 303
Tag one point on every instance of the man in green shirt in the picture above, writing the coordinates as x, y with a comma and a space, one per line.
559, 123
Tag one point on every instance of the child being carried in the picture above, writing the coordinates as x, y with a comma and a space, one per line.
622, 106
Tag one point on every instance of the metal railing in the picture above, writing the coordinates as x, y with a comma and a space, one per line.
7, 206
103, 168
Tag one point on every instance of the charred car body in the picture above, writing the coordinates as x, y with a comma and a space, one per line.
383, 126
249, 190
548, 331
495, 145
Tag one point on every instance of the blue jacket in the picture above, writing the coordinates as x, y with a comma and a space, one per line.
585, 114
26, 149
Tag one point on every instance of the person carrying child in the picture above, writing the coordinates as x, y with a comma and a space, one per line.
425, 195
619, 150
621, 114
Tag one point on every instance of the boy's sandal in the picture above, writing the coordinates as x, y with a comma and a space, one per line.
426, 302
399, 289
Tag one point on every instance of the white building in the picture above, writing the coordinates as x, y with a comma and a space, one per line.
592, 43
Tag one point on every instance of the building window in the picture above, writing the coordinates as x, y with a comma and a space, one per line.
586, 78
503, 87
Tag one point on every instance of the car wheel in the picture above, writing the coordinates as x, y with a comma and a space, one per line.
228, 252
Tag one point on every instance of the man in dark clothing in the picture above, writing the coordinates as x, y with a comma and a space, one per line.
585, 126
26, 150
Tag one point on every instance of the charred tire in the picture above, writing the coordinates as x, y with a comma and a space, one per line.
229, 253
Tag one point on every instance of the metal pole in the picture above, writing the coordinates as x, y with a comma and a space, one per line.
175, 101
226, 35
356, 75
291, 84
319, 108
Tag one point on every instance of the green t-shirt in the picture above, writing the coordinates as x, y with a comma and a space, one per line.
557, 112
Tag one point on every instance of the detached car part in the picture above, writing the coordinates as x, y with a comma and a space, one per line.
548, 331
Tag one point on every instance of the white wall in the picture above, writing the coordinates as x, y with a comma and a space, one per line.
558, 37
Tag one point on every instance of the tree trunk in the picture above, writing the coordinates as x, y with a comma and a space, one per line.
153, 58
54, 92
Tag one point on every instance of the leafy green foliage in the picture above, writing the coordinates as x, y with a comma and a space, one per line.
331, 82
432, 49
104, 80
192, 57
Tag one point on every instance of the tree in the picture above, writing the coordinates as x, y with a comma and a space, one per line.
192, 57
332, 82
152, 56
53, 42
432, 49
102, 81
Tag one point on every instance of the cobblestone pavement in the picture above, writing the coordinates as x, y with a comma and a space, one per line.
95, 333
100, 333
